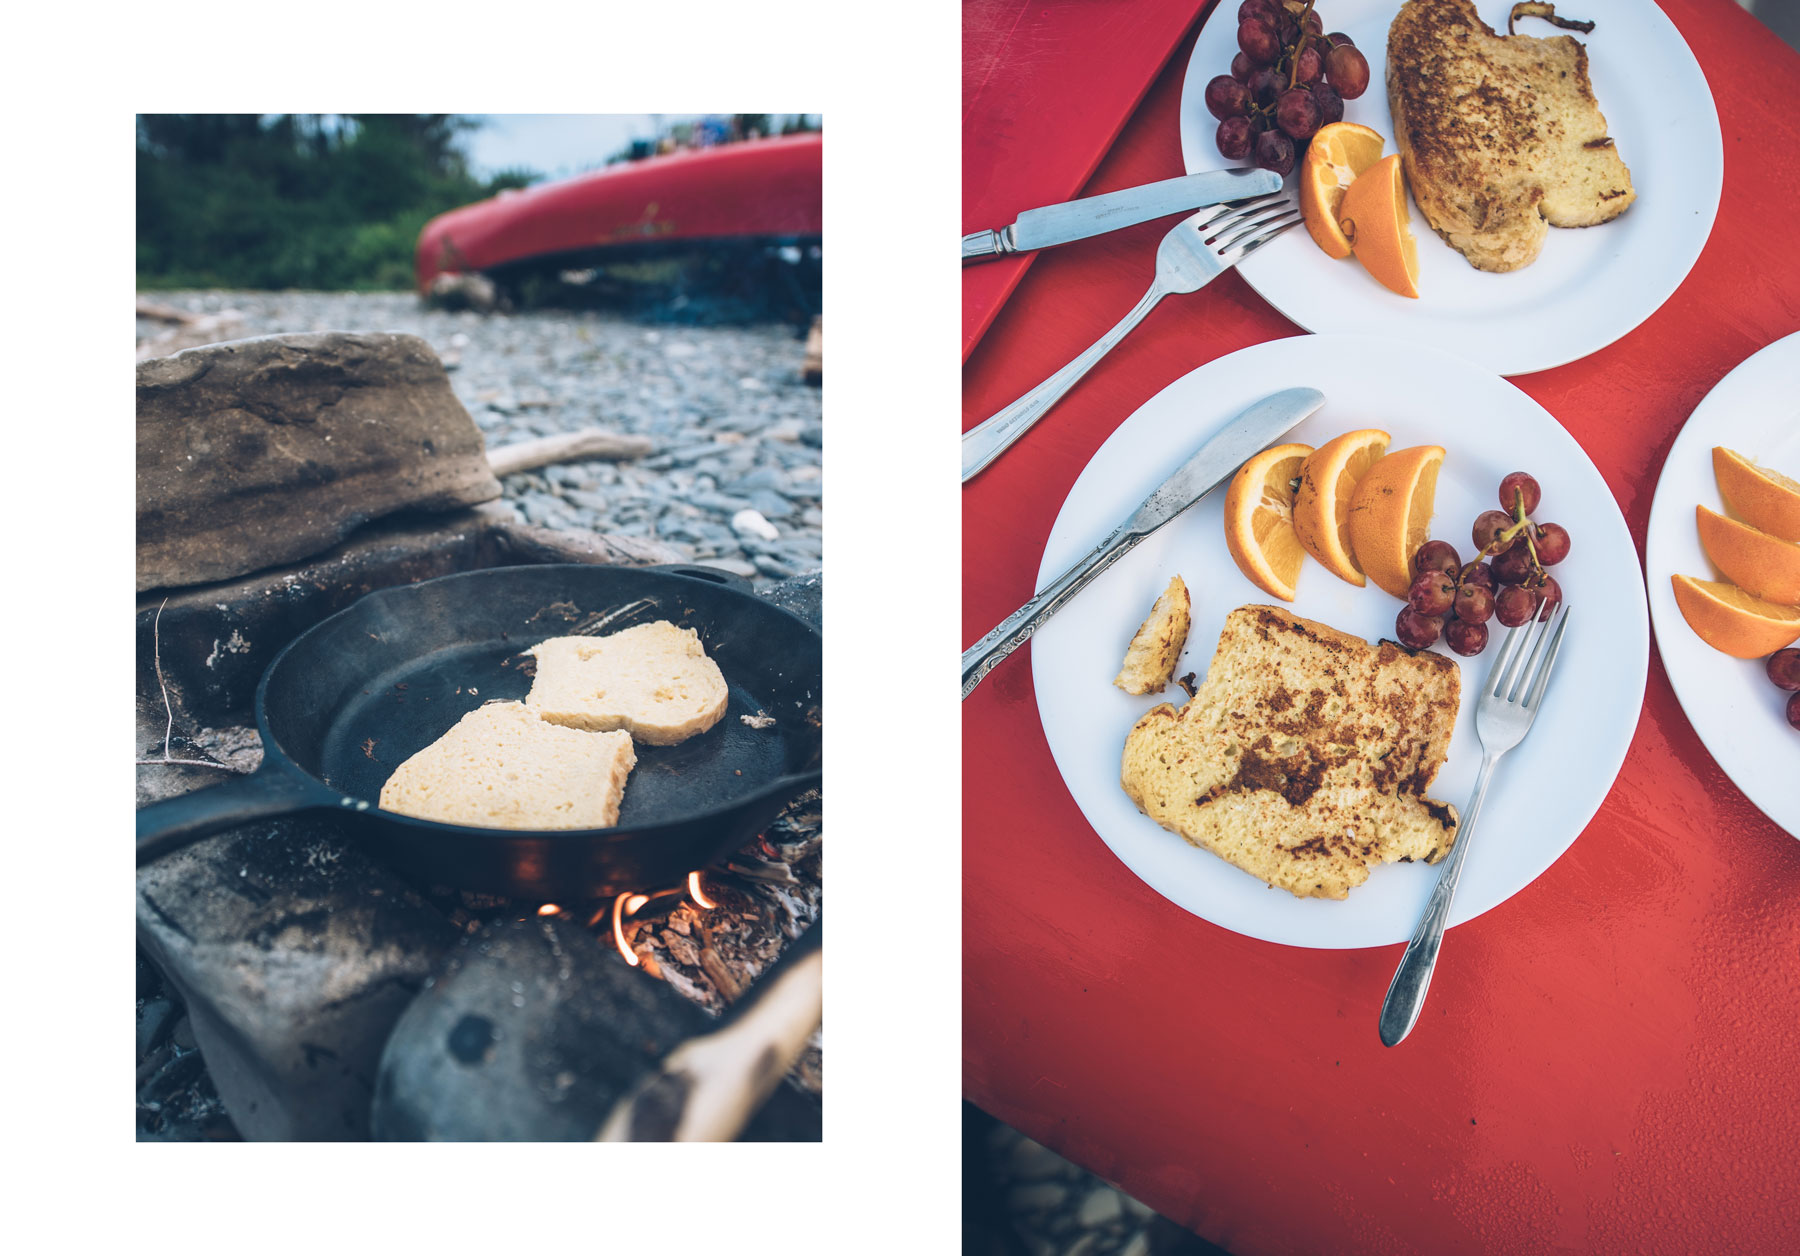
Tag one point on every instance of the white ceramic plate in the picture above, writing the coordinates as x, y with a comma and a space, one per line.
1544, 793
1588, 287
1730, 702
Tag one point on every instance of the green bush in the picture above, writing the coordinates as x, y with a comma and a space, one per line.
295, 200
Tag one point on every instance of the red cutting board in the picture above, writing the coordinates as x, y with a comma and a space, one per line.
1047, 85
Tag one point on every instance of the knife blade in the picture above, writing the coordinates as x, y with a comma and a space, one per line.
1096, 215
1208, 467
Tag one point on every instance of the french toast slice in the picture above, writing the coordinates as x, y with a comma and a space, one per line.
1305, 755
1500, 135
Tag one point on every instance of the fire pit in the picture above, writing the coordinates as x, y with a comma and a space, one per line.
292, 986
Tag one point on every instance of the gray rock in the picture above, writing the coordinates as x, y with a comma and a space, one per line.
532, 1032
264, 451
291, 1045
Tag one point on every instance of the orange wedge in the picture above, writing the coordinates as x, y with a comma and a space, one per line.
1761, 565
1373, 215
1390, 515
1322, 503
1337, 155
1760, 497
1259, 520
1729, 619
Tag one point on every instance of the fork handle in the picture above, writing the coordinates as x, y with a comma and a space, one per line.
1406, 994
988, 439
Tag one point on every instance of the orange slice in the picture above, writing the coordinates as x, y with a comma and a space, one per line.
1322, 503
1760, 497
1373, 216
1337, 155
1729, 619
1761, 565
1259, 520
1390, 515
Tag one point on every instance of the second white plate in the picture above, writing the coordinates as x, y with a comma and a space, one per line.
1544, 793
1589, 286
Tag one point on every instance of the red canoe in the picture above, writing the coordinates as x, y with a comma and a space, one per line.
758, 188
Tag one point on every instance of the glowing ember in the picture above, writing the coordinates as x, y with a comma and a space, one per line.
696, 893
618, 923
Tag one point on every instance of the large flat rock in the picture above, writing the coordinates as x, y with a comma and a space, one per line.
258, 452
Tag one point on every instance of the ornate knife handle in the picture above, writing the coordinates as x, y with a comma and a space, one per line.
981, 245
1016, 629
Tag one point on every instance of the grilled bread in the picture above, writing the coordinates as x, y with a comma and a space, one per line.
1500, 134
654, 681
1304, 756
502, 767
1150, 658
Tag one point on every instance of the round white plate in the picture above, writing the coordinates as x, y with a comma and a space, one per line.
1589, 286
1543, 793
1730, 702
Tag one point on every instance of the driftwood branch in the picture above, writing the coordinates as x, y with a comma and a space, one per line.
167, 759
590, 443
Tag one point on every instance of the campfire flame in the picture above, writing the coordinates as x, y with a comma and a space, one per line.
627, 905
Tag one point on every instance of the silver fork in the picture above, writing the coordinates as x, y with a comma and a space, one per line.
1200, 248
1510, 698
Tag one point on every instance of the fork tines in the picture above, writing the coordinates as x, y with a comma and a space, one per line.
1517, 675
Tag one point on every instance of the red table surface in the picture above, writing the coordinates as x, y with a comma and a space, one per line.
1610, 1061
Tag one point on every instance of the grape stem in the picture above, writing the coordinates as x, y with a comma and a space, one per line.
1305, 35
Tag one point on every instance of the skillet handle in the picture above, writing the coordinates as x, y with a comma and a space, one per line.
169, 825
700, 571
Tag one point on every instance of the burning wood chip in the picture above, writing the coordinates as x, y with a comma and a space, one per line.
761, 719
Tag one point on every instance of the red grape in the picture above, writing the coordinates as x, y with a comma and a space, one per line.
1793, 711
1258, 40
1227, 98
1241, 67
1235, 138
1345, 69
1331, 105
1297, 113
1474, 604
1552, 541
1480, 575
1310, 63
1549, 595
1432, 593
1416, 631
1784, 668
1513, 566
1436, 556
1275, 151
1515, 605
1518, 482
1489, 524
1466, 638
1266, 85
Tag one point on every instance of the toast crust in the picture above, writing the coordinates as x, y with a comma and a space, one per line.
1304, 757
1501, 135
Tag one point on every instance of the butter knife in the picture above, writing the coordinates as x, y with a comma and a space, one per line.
1096, 215
1214, 463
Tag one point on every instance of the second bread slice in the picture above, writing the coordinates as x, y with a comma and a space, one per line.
653, 680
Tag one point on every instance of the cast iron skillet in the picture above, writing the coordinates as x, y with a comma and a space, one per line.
351, 697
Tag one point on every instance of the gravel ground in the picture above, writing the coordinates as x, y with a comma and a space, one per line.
735, 477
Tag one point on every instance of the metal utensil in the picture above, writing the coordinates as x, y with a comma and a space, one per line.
1096, 215
1209, 467
1510, 698
1201, 247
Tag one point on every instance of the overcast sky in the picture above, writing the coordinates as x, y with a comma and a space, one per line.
557, 144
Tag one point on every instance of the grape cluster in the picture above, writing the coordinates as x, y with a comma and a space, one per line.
1287, 80
1455, 600
1784, 669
